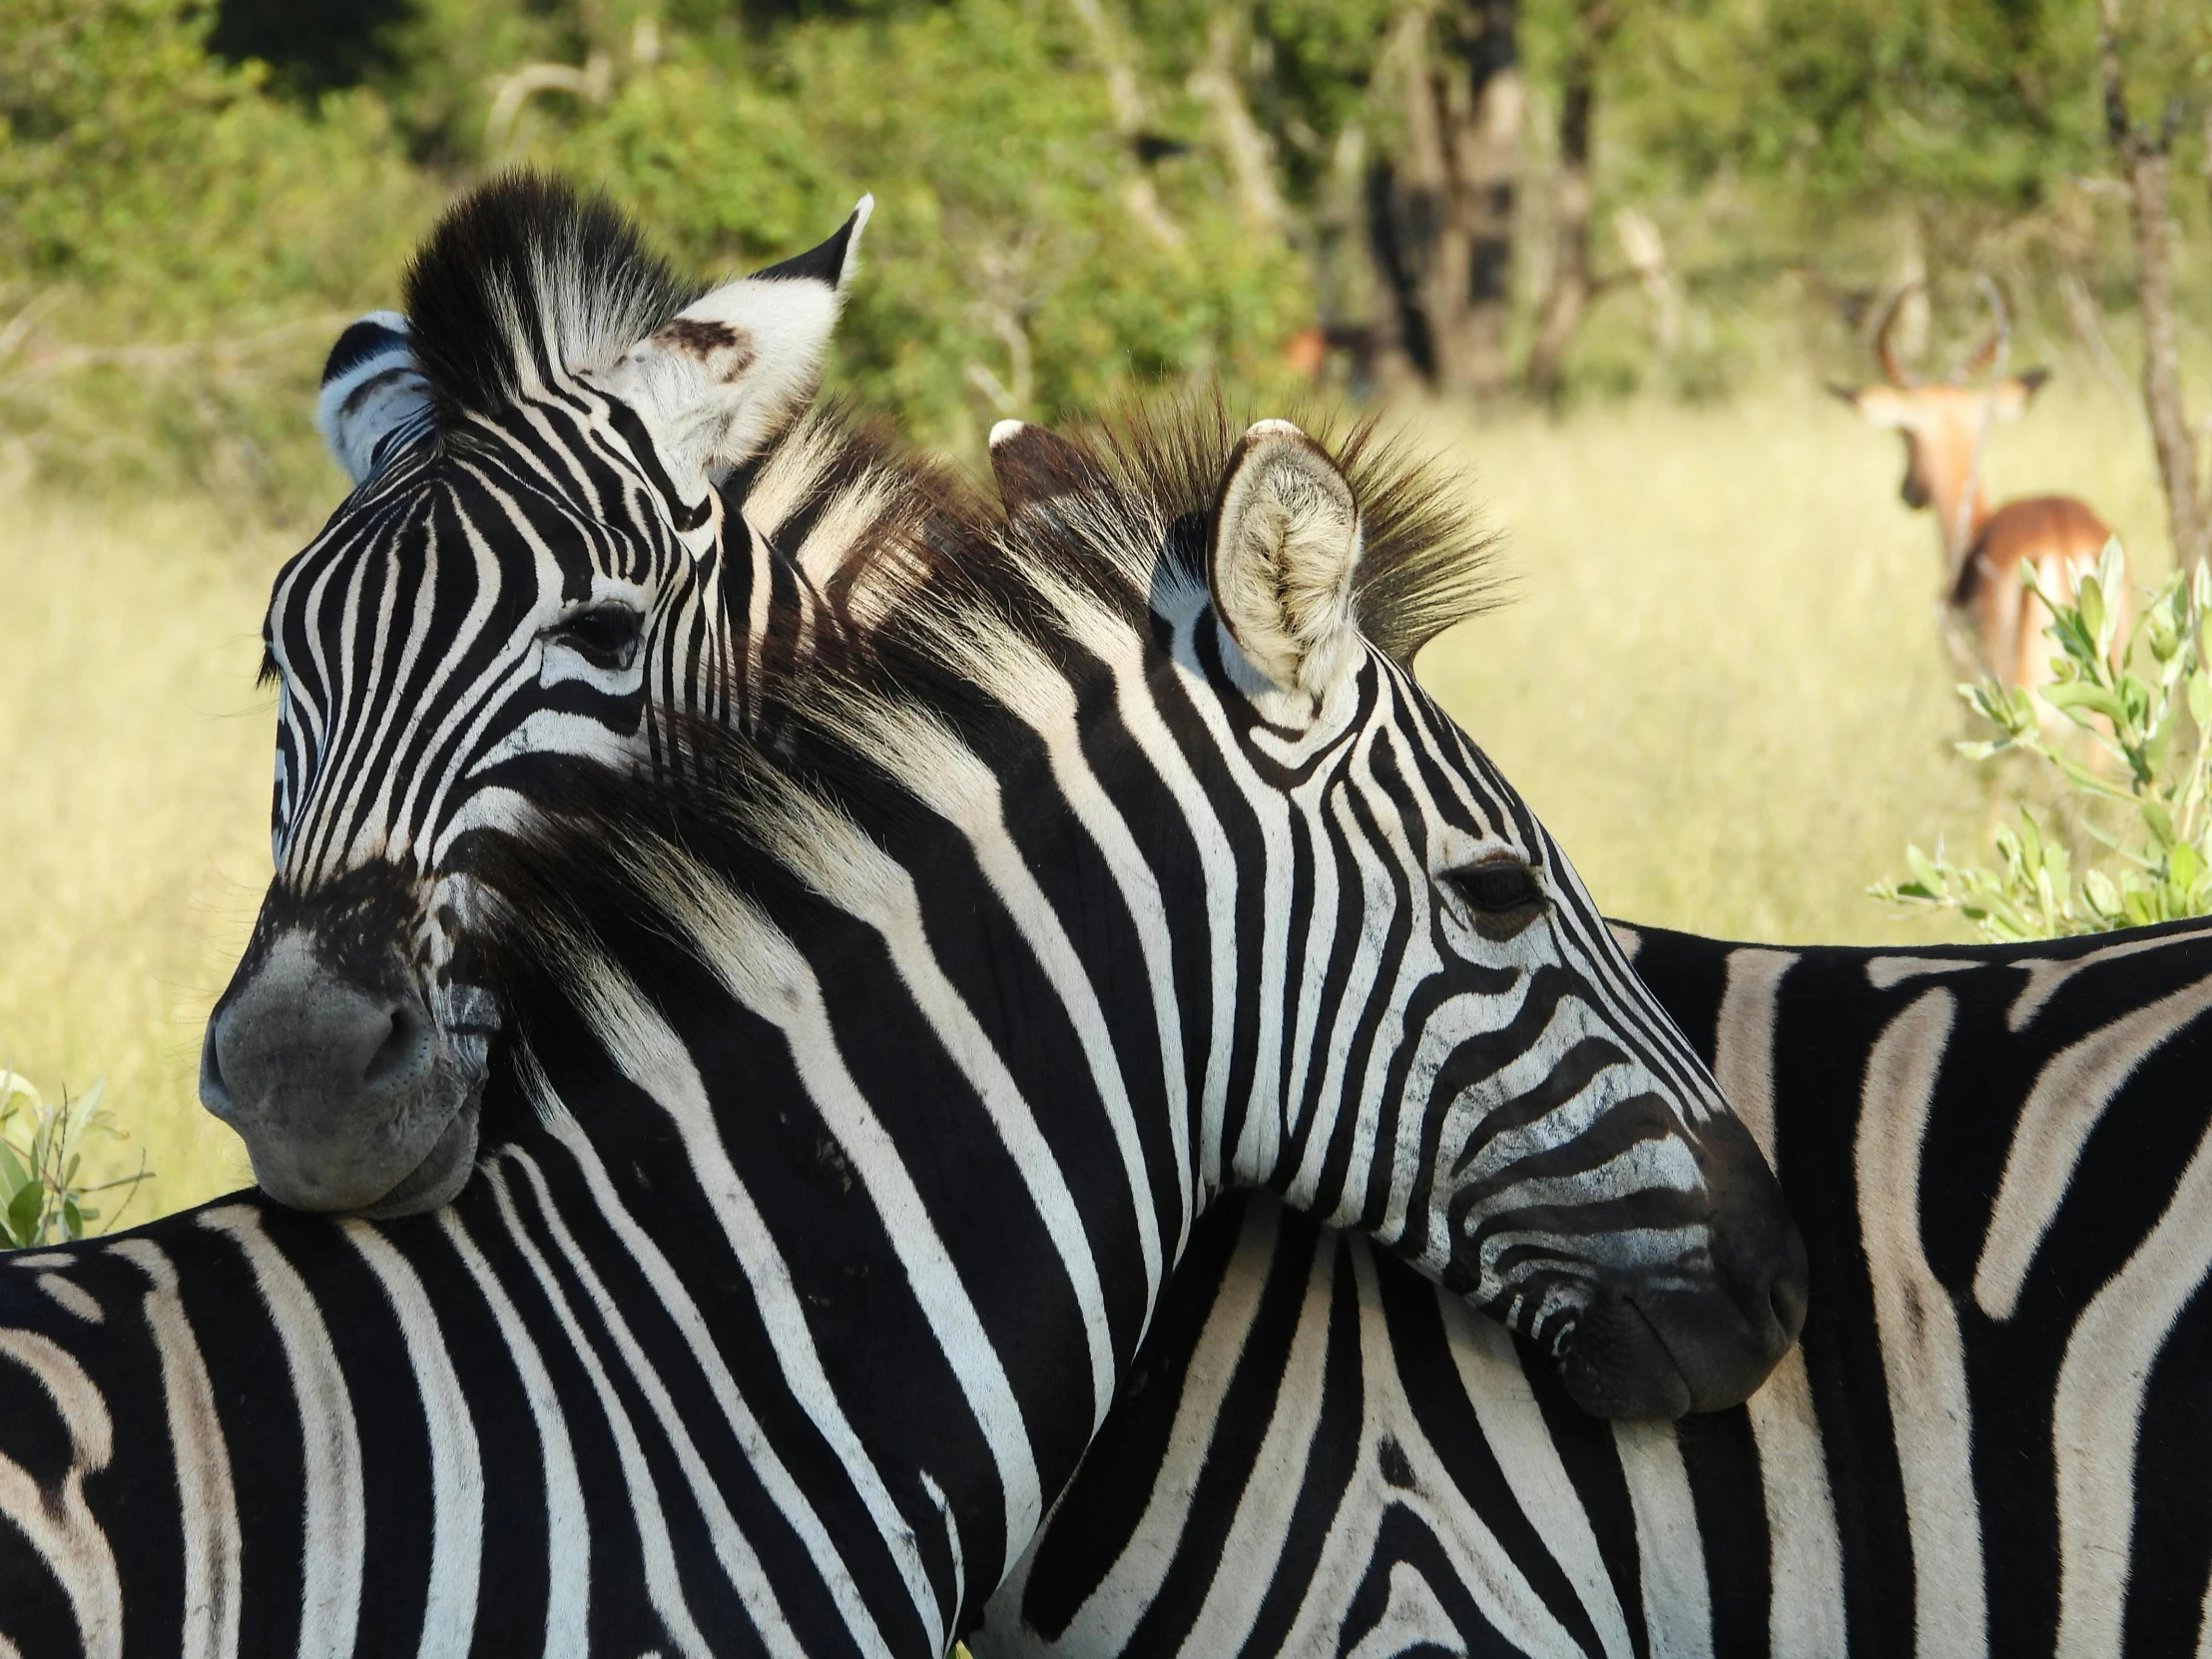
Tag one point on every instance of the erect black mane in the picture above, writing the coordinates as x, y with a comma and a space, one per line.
524, 277
1426, 561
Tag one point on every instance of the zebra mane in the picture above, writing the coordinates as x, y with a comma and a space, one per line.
1144, 481
954, 618
523, 279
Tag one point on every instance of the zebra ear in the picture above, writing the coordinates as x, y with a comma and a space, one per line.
729, 370
374, 401
1279, 554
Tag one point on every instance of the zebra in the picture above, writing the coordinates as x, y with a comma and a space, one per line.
726, 1098
1991, 1440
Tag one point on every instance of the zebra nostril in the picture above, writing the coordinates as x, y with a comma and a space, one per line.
404, 1054
215, 1092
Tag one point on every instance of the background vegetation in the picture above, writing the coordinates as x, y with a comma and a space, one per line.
1721, 681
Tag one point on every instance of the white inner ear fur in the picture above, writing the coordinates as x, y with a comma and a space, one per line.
727, 370
715, 381
1284, 541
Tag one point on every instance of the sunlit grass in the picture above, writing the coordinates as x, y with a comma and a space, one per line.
1719, 683
133, 838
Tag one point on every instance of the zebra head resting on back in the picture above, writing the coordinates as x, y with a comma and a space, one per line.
1293, 928
538, 567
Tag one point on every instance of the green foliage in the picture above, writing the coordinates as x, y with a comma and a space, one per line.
2146, 713
177, 248
1007, 273
41, 1153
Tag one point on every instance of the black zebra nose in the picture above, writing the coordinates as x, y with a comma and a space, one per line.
1666, 1343
339, 1090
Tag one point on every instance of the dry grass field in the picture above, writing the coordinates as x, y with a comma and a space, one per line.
1718, 682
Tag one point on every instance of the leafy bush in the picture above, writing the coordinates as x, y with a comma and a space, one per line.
1008, 272
178, 249
41, 1202
2140, 795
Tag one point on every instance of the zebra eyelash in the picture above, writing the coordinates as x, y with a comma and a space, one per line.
269, 673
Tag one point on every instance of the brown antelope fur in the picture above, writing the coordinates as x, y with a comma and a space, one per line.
1945, 426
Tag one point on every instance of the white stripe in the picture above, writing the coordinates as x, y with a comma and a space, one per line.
1922, 1353
741, 1564
1805, 1613
1120, 647
1261, 1526
766, 972
655, 1059
789, 1499
456, 1464
953, 781
2099, 1405
335, 1516
853, 872
57, 1521
2044, 977
1885, 973
207, 1512
568, 1533
71, 1296
664, 1586
1108, 1619
2066, 1104
1670, 1550
1527, 1454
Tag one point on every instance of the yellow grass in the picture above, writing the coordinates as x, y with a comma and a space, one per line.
1719, 684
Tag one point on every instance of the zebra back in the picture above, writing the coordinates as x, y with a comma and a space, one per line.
1989, 1441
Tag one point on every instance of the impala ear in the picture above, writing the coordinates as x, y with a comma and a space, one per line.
1280, 550
729, 370
2014, 392
374, 401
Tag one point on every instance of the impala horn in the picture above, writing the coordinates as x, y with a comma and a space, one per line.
1988, 357
1885, 351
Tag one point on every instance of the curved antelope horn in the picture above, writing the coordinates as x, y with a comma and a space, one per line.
1885, 353
1988, 357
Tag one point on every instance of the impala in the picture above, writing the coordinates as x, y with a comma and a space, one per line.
1946, 427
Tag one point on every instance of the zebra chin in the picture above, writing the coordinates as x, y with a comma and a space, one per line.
350, 1095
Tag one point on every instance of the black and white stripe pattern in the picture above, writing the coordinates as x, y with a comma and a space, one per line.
854, 1092
1992, 1439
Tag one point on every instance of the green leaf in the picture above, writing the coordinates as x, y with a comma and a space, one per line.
2184, 864
2102, 895
2200, 700
24, 1212
2082, 694
2089, 601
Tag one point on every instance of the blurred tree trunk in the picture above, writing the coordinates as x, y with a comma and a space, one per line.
2145, 159
1595, 24
1440, 220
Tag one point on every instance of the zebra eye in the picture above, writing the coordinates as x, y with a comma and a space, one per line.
606, 636
1503, 895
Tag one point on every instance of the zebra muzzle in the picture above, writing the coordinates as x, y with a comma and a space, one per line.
1698, 1336
346, 1093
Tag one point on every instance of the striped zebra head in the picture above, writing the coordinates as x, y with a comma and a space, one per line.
1452, 1053
534, 572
